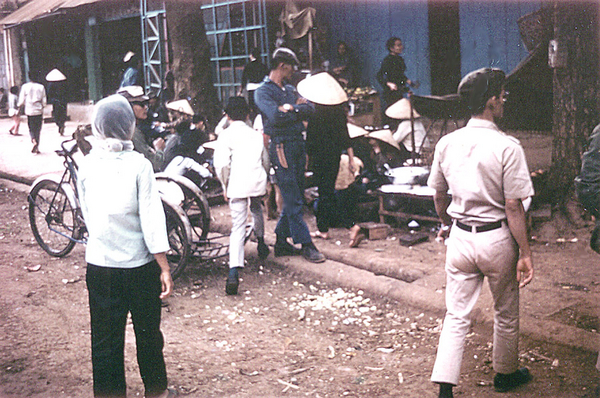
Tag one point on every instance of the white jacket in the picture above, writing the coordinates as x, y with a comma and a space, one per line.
241, 161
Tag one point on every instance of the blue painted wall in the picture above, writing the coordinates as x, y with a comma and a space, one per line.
489, 33
366, 25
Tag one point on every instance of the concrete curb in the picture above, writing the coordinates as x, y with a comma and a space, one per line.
351, 276
15, 178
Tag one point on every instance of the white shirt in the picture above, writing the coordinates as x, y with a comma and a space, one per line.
122, 209
241, 161
33, 96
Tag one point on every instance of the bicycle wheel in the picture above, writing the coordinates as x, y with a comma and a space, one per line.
196, 208
53, 220
179, 245
193, 202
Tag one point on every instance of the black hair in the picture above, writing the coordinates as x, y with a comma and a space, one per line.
255, 52
197, 118
182, 127
34, 75
283, 56
237, 108
14, 90
477, 87
391, 41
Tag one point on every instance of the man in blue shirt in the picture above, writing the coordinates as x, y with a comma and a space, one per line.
283, 112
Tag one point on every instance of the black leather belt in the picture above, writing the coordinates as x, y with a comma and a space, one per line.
480, 228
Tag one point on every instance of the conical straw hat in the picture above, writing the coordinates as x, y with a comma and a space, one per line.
128, 56
356, 131
322, 89
55, 76
401, 110
182, 106
385, 136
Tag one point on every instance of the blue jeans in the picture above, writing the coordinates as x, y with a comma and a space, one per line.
291, 183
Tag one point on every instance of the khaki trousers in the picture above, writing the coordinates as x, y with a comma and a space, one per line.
470, 257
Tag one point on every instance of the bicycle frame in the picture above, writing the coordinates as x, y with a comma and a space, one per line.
68, 182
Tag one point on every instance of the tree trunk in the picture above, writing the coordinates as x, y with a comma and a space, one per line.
191, 58
575, 86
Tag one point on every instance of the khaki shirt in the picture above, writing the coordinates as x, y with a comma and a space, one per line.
482, 167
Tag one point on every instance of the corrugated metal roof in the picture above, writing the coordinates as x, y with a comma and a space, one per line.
39, 8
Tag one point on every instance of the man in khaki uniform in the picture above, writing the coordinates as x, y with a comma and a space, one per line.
486, 173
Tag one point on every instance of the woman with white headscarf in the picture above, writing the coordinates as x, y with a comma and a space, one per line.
127, 268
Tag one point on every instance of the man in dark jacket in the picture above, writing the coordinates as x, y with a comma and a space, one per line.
283, 112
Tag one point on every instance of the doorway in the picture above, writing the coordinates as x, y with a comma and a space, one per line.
444, 46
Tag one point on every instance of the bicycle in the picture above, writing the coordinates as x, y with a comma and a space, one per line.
57, 222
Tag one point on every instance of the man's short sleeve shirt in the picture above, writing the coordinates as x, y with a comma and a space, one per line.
482, 167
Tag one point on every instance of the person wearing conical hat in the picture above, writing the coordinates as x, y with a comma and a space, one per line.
57, 96
326, 138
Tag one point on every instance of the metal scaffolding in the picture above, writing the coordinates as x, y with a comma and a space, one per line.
233, 29
153, 44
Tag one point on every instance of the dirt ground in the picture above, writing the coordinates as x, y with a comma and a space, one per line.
284, 335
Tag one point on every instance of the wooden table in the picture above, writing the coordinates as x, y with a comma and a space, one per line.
425, 201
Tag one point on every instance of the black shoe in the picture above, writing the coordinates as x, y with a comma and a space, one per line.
446, 390
231, 286
506, 382
595, 238
285, 249
310, 253
263, 250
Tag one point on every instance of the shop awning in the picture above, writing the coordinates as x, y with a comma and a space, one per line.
37, 9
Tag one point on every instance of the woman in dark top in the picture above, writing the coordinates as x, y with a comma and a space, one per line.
253, 74
326, 138
344, 65
391, 75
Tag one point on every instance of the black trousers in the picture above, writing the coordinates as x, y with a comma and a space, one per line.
35, 126
113, 293
326, 166
59, 113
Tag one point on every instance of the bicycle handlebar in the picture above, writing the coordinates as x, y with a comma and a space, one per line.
67, 152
